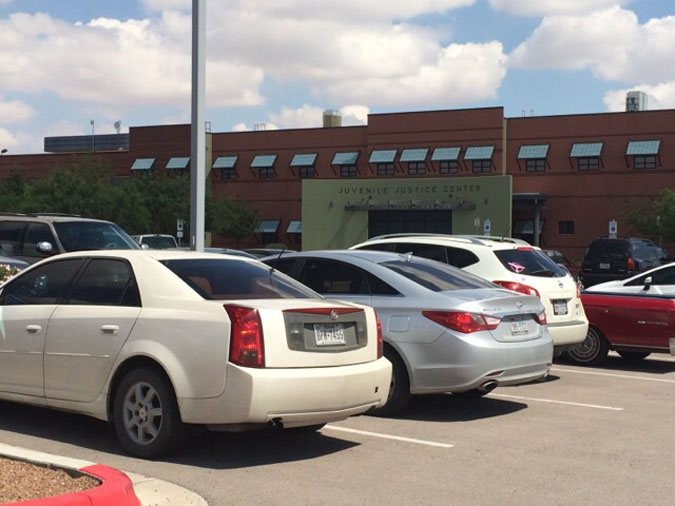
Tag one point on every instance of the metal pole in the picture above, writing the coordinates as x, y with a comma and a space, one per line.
197, 132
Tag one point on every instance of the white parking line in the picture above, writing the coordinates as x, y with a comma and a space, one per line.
389, 436
551, 401
626, 376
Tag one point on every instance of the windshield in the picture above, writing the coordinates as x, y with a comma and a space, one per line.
216, 279
607, 248
436, 276
92, 235
160, 242
529, 262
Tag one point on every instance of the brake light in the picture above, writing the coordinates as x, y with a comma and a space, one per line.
525, 248
541, 318
630, 263
463, 322
380, 342
246, 336
517, 287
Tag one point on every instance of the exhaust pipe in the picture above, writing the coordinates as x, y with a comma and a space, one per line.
488, 386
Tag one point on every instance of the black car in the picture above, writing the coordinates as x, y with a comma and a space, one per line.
608, 258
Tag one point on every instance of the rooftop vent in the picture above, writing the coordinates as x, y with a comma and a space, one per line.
332, 118
636, 101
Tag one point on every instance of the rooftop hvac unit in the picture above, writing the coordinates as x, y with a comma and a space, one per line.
332, 118
636, 101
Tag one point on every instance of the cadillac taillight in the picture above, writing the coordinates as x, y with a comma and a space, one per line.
517, 287
246, 336
463, 322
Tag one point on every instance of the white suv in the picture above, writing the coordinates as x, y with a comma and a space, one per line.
510, 263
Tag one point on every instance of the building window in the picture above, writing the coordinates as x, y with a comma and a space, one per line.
347, 170
228, 173
589, 163
267, 173
306, 172
565, 227
385, 169
448, 167
535, 165
416, 168
644, 161
481, 165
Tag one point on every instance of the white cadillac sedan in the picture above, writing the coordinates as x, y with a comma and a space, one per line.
156, 340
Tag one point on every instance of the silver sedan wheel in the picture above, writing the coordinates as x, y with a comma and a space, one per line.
142, 413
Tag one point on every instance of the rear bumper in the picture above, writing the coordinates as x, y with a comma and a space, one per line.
565, 334
458, 364
294, 397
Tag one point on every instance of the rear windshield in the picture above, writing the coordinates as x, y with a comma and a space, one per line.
530, 262
92, 235
436, 276
607, 249
216, 279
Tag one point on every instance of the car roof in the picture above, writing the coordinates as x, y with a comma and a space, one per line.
492, 242
158, 254
369, 255
49, 217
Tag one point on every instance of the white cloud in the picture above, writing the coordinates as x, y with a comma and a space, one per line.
548, 7
355, 115
15, 111
611, 43
659, 96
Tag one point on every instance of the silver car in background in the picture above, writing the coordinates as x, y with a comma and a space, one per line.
444, 330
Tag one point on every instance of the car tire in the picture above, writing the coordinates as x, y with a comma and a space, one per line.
399, 387
592, 351
146, 416
633, 356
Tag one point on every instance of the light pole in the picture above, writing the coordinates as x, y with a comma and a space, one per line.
198, 129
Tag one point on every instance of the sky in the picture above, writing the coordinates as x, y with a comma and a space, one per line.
281, 63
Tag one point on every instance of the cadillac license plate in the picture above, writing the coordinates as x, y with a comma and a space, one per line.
329, 334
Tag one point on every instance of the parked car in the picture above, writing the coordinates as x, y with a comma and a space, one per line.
607, 259
444, 330
224, 251
32, 237
163, 339
510, 263
658, 281
156, 241
633, 325
562, 260
13, 263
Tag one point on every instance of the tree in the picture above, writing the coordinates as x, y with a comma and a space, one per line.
656, 218
232, 219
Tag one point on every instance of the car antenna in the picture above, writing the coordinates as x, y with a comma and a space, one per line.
506, 232
277, 259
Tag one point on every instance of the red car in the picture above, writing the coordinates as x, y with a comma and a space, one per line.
632, 325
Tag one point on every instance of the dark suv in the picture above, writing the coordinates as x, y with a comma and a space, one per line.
32, 237
607, 259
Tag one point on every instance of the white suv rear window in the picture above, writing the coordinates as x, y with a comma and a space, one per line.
530, 262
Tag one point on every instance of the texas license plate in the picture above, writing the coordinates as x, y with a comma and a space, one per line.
604, 266
559, 307
519, 328
331, 334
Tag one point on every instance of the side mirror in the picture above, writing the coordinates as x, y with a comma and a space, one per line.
45, 247
648, 283
145, 246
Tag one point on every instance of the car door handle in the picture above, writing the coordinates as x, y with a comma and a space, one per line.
110, 329
33, 329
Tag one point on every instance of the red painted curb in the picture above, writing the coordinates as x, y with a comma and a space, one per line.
116, 489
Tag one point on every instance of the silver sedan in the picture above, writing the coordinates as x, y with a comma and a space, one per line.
444, 330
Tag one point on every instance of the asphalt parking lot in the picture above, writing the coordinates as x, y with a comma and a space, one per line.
585, 436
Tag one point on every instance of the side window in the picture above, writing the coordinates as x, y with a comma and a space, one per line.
283, 264
43, 285
379, 287
460, 258
330, 277
430, 251
664, 277
10, 234
105, 282
35, 234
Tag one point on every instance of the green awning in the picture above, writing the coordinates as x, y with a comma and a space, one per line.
414, 155
531, 152
345, 158
225, 162
263, 161
382, 156
294, 227
306, 160
143, 164
639, 148
586, 149
445, 154
267, 226
178, 163
479, 153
